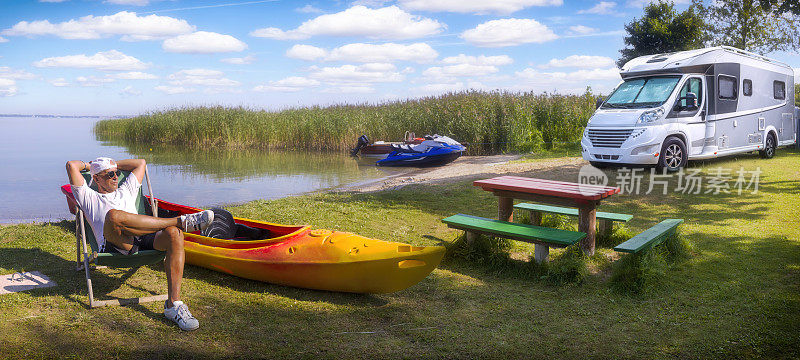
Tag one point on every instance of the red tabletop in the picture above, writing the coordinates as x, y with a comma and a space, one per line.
547, 187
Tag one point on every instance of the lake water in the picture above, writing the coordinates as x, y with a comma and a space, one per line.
34, 152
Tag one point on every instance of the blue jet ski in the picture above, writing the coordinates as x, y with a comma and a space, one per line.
434, 151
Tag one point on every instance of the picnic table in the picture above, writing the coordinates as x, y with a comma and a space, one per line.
582, 196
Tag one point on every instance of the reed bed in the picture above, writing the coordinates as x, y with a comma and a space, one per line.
487, 122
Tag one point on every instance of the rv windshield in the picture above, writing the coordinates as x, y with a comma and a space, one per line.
642, 92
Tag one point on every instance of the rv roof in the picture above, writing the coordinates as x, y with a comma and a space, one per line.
680, 59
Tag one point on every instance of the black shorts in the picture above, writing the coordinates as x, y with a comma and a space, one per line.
144, 242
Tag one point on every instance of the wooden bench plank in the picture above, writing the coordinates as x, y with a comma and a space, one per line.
572, 211
523, 232
547, 187
650, 237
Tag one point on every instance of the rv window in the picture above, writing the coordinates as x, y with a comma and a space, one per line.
693, 85
779, 89
747, 87
727, 87
642, 92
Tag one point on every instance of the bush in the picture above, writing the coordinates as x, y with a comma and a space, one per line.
619, 234
486, 250
570, 267
642, 272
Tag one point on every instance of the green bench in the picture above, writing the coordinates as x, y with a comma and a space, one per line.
604, 219
650, 237
542, 237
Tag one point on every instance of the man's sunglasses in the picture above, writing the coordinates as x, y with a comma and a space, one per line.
113, 174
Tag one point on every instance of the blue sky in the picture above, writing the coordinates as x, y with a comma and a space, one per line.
110, 57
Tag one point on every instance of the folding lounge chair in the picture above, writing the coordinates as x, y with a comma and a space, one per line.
84, 235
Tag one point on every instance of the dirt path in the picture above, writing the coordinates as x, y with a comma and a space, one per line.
467, 167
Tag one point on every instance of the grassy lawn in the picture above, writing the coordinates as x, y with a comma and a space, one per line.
737, 297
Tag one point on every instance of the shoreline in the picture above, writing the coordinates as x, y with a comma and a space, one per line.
463, 168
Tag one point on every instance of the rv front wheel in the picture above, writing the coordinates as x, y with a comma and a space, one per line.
769, 147
673, 155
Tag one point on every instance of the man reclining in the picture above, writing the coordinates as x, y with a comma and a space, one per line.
111, 211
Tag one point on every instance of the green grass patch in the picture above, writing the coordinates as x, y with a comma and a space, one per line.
736, 296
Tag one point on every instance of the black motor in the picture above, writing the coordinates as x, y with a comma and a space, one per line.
362, 141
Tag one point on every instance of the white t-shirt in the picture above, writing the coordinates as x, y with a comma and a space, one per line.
95, 205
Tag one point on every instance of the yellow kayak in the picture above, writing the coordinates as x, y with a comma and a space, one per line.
315, 259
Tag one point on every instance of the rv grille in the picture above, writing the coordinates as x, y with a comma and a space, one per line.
606, 157
608, 138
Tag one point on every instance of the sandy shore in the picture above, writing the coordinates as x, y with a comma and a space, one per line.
468, 167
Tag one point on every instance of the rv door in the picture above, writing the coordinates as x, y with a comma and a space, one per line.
689, 109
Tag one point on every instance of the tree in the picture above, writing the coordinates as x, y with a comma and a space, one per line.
781, 6
797, 95
661, 30
750, 25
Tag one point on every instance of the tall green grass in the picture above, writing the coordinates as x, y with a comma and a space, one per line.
487, 122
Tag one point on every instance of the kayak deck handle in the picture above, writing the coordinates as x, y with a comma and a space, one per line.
407, 264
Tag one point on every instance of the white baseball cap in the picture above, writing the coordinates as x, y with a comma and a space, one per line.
100, 164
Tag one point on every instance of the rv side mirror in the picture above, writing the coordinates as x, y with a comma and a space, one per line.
599, 103
691, 102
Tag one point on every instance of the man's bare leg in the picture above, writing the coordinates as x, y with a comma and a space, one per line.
171, 241
120, 227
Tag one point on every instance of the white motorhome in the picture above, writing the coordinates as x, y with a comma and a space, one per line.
690, 105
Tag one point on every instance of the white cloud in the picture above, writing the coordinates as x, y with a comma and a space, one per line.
203, 42
289, 84
366, 53
464, 66
127, 24
384, 23
350, 90
201, 77
581, 61
481, 7
8, 87
249, 59
441, 87
508, 32
60, 82
172, 90
480, 60
133, 75
306, 52
92, 81
358, 74
360, 52
129, 2
111, 60
602, 8
2, 39
459, 70
130, 91
581, 30
533, 76
9, 73
309, 9
642, 3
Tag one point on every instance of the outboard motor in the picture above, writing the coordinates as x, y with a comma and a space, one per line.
362, 141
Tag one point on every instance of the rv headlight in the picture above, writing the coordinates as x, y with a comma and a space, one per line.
651, 115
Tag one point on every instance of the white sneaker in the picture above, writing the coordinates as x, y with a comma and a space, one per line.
179, 313
198, 221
